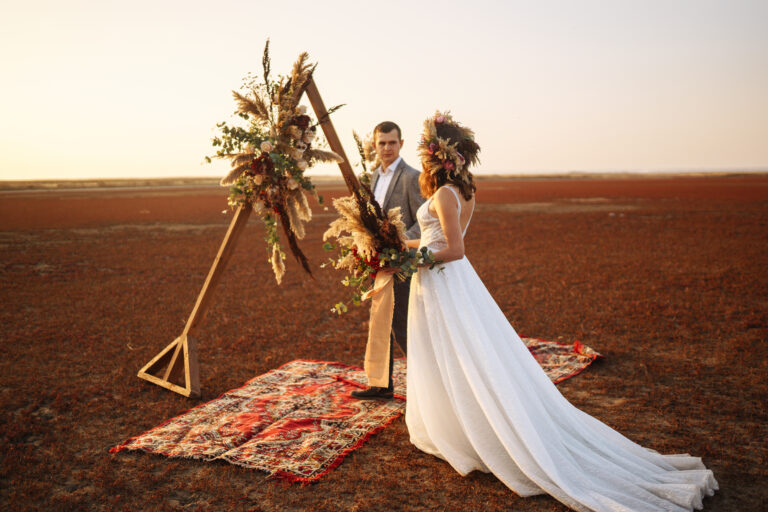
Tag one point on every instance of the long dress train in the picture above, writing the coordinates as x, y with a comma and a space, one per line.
479, 400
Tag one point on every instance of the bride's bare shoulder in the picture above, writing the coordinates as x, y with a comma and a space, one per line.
447, 202
448, 195
447, 191
444, 197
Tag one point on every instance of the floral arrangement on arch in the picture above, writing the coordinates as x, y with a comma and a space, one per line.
270, 155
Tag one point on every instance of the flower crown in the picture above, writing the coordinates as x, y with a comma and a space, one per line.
438, 153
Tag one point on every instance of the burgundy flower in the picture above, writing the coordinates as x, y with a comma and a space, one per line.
448, 165
302, 122
264, 163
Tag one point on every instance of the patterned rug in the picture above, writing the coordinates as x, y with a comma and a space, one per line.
298, 421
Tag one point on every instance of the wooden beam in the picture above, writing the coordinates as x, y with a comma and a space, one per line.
330, 134
180, 357
219, 263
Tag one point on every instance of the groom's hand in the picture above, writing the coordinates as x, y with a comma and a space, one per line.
389, 270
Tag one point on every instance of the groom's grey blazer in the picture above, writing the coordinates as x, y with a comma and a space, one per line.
404, 192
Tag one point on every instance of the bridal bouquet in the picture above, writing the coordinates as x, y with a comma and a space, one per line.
367, 241
270, 155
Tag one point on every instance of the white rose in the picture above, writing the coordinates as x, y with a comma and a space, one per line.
297, 153
309, 136
302, 164
302, 109
292, 184
258, 179
258, 205
266, 146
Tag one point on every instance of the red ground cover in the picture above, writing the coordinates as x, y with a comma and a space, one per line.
665, 276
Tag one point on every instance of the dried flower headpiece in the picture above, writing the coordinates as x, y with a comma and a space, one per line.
439, 153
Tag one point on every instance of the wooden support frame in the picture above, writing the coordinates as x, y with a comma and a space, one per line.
330, 134
179, 358
176, 367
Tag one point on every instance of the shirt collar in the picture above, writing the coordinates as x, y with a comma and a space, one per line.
391, 167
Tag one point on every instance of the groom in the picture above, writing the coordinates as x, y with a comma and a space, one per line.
394, 184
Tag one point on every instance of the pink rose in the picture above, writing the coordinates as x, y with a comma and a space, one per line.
432, 148
448, 165
440, 119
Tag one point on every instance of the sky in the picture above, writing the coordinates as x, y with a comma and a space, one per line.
103, 89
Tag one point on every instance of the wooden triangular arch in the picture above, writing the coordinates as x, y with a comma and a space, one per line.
176, 367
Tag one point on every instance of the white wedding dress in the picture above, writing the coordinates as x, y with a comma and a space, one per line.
479, 400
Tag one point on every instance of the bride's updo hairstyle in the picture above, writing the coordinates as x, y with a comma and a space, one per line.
447, 150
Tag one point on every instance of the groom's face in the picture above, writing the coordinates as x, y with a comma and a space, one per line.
388, 147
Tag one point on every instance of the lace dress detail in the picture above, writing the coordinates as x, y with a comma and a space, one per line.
479, 400
432, 235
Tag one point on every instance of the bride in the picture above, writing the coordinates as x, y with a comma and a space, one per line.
479, 400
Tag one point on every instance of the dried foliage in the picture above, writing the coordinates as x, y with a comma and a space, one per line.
369, 158
366, 240
270, 155
455, 157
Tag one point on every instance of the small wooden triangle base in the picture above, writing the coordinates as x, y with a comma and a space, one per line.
180, 357
175, 367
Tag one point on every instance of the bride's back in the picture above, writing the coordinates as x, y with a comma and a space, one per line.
465, 207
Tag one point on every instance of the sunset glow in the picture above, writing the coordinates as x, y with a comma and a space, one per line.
116, 89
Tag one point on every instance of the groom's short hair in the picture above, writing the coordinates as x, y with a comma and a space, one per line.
386, 127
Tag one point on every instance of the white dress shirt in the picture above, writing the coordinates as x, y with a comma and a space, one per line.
385, 178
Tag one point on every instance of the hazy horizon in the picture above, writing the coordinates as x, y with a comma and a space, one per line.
331, 175
114, 90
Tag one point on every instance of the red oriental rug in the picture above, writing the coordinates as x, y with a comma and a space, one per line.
298, 421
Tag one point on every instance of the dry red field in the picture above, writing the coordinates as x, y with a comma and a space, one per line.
664, 276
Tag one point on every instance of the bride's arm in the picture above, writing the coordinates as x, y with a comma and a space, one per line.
413, 244
448, 212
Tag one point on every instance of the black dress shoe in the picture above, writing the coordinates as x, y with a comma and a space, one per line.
372, 393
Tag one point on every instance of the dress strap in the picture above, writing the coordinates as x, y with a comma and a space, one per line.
456, 194
458, 200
